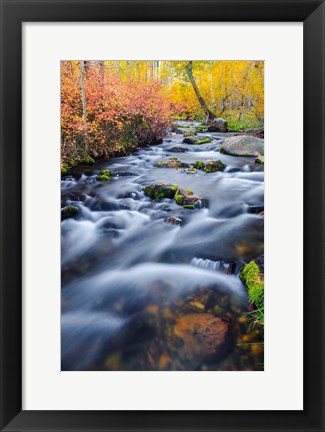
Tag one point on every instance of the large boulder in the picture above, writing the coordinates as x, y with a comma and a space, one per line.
218, 125
243, 145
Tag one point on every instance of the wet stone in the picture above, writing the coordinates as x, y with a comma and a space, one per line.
173, 220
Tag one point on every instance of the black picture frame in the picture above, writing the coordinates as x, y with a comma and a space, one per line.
13, 14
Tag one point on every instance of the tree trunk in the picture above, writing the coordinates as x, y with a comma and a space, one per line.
84, 107
209, 114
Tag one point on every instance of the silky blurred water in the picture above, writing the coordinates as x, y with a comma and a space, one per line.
128, 276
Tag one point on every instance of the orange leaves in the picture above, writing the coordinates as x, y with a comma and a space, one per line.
126, 110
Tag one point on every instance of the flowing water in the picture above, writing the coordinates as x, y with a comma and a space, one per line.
142, 290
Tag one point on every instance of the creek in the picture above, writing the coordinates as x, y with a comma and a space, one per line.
150, 285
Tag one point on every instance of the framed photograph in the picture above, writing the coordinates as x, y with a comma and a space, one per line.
162, 173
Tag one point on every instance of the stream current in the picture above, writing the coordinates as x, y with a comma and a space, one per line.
141, 292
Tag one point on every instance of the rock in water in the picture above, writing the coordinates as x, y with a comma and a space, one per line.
170, 163
210, 165
243, 145
257, 132
201, 334
197, 140
161, 190
69, 211
218, 125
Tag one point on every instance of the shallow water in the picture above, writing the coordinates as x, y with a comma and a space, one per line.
134, 285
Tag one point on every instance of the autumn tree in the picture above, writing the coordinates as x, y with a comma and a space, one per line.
208, 113
84, 106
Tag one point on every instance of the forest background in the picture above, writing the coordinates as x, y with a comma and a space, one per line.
110, 108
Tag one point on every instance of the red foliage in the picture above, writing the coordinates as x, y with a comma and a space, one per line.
121, 115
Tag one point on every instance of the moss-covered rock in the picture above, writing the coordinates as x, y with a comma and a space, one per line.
179, 199
206, 140
191, 170
159, 191
193, 139
260, 160
197, 140
69, 211
185, 198
170, 163
211, 165
104, 175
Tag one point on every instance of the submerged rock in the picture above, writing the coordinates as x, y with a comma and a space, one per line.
69, 212
173, 220
170, 163
178, 150
218, 125
201, 334
243, 145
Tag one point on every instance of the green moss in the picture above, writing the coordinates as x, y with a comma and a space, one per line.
149, 191
239, 125
69, 212
160, 190
87, 160
180, 199
214, 166
204, 141
189, 206
189, 134
259, 161
104, 175
210, 166
64, 169
201, 129
158, 164
254, 280
164, 192
188, 191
